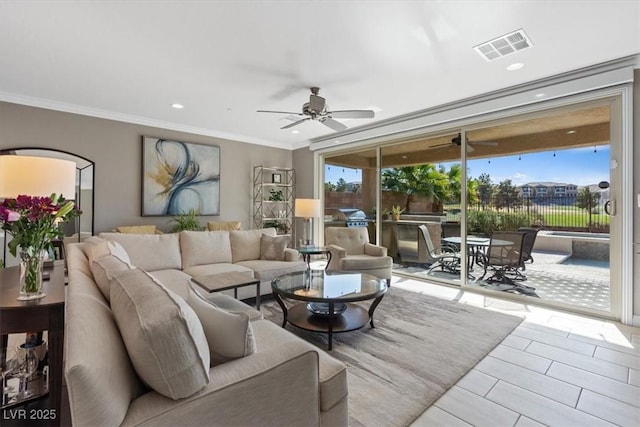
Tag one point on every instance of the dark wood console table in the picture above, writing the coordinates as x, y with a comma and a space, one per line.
38, 315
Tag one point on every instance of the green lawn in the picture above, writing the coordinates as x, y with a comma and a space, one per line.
553, 216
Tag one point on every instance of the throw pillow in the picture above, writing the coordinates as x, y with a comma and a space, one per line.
137, 229
163, 336
104, 269
272, 248
229, 334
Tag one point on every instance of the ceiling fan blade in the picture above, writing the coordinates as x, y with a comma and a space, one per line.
333, 124
278, 112
489, 143
352, 114
290, 125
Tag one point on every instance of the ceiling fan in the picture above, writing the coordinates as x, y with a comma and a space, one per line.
317, 109
457, 140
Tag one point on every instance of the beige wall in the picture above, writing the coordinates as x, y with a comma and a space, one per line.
116, 149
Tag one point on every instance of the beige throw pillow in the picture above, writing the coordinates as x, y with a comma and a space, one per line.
272, 248
163, 336
104, 270
229, 334
137, 229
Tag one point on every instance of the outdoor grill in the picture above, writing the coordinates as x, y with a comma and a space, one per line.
346, 217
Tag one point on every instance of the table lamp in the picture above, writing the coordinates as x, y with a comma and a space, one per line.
307, 209
35, 176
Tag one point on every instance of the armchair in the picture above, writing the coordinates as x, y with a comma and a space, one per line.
351, 251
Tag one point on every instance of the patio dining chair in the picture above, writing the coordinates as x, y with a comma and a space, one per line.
504, 257
444, 256
527, 247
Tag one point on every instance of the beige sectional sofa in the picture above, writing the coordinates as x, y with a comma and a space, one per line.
180, 256
282, 381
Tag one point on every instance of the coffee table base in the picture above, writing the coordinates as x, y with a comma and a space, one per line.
352, 318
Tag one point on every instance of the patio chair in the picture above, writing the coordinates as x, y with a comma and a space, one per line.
451, 229
504, 257
444, 256
527, 247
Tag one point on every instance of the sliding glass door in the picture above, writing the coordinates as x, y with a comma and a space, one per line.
549, 175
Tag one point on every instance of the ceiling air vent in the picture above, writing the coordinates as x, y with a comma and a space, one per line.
504, 45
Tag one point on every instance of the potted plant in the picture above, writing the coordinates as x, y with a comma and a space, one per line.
187, 221
396, 211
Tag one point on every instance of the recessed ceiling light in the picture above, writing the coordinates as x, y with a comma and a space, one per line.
515, 66
177, 106
539, 95
569, 132
295, 131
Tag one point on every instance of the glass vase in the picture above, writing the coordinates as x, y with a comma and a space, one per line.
31, 275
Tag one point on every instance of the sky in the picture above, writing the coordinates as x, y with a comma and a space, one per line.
580, 166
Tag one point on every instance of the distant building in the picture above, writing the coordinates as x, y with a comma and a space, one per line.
538, 190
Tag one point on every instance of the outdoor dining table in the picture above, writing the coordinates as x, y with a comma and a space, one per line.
476, 246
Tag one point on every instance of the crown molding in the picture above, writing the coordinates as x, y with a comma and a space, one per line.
126, 118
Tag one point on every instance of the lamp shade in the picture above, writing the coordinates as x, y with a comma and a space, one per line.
36, 176
307, 208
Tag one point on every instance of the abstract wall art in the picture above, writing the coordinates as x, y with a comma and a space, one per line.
178, 177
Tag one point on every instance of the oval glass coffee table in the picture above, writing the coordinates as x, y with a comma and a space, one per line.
326, 300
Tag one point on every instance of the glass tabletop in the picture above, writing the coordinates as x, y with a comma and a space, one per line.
327, 286
312, 250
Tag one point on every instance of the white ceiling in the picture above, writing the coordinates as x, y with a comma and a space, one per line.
224, 60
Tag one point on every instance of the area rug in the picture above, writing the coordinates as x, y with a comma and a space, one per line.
419, 348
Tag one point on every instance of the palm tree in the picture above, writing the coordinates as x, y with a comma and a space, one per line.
424, 180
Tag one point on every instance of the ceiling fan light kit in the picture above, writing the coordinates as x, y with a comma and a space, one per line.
318, 110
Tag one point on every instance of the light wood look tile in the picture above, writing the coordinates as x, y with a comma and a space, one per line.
609, 409
475, 410
606, 386
555, 340
529, 380
477, 382
527, 422
540, 408
516, 342
521, 358
591, 364
634, 377
436, 417
614, 356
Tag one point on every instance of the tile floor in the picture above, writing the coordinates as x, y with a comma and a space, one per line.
555, 277
555, 369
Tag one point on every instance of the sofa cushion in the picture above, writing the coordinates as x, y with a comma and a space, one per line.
163, 336
272, 248
224, 225
229, 334
269, 270
175, 280
223, 267
204, 247
245, 244
150, 251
